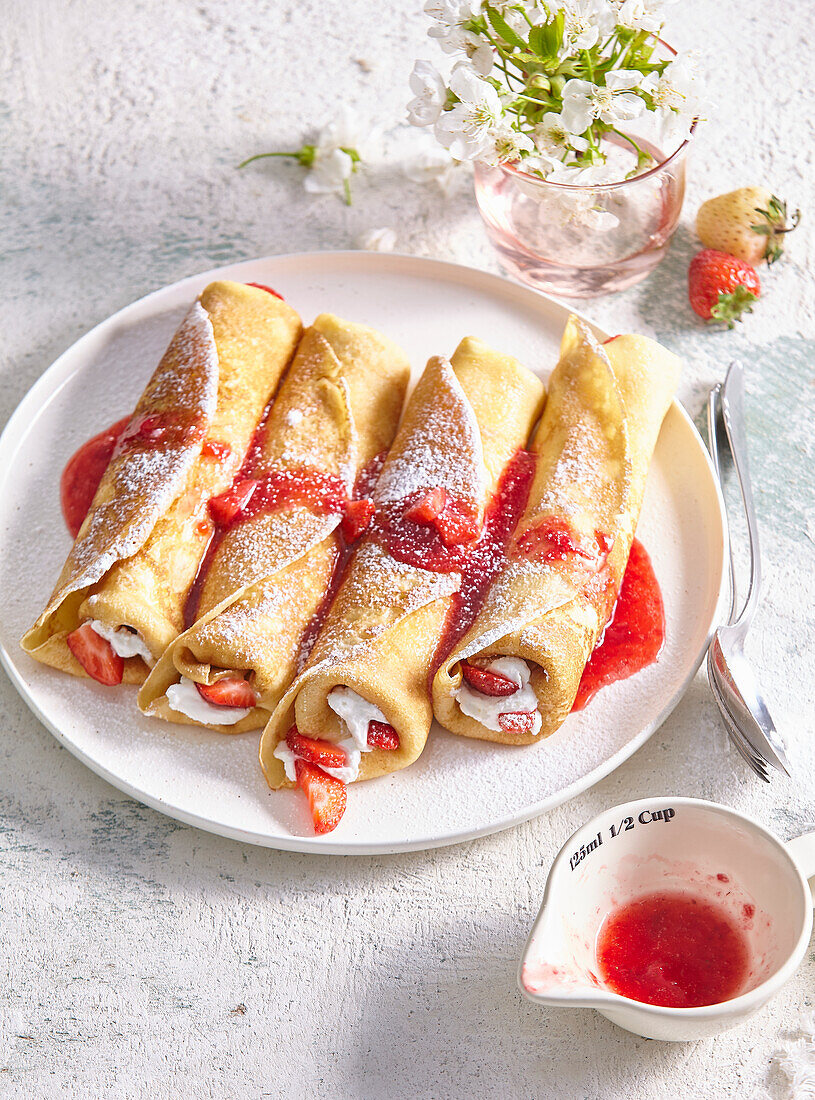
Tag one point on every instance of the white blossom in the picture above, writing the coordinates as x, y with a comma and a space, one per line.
449, 30
466, 129
347, 131
583, 101
430, 91
585, 21
334, 151
552, 139
329, 172
507, 145
639, 15
378, 240
675, 99
433, 166
580, 207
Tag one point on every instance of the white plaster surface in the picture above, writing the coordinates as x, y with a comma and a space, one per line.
141, 958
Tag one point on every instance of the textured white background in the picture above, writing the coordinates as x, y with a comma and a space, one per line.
139, 958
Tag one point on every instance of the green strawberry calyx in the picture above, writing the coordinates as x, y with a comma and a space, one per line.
731, 305
777, 223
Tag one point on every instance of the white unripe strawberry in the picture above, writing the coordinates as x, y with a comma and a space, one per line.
749, 223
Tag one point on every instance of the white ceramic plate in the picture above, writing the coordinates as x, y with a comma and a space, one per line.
459, 788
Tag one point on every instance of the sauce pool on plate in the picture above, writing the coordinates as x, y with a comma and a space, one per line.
83, 472
635, 633
674, 949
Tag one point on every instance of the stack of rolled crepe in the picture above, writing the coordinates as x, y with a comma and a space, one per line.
547, 606
337, 410
373, 656
123, 587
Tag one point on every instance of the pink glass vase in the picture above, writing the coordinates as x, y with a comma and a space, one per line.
578, 241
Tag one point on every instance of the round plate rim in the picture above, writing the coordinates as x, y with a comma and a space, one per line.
51, 380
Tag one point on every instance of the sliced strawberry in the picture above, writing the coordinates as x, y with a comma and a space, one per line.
326, 796
96, 655
488, 683
324, 753
357, 517
382, 736
268, 290
232, 691
428, 506
457, 523
225, 507
517, 721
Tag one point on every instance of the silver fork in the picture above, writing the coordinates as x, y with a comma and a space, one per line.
731, 678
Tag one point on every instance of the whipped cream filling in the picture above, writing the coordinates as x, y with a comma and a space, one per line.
355, 715
487, 709
185, 698
123, 641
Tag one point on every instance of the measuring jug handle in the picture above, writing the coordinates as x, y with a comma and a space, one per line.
802, 850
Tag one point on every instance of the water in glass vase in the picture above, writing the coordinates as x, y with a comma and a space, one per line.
579, 241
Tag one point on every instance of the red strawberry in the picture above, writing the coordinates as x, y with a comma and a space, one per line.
721, 287
96, 655
324, 753
356, 519
225, 507
326, 796
517, 721
488, 683
428, 506
382, 736
232, 691
457, 523
268, 290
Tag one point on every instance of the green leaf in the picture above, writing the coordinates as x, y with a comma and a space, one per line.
730, 307
546, 39
503, 29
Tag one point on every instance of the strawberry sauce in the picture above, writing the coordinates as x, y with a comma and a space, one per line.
83, 472
672, 949
483, 561
86, 467
304, 485
634, 634
428, 533
554, 539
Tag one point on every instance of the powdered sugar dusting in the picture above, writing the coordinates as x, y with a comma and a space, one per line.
234, 627
381, 591
144, 482
267, 544
418, 461
314, 403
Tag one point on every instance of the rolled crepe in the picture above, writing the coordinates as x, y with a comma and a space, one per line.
372, 658
337, 410
545, 609
138, 550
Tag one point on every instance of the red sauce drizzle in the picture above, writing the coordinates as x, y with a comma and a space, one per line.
673, 949
213, 449
363, 487
634, 634
83, 472
554, 539
419, 543
268, 289
483, 561
86, 467
154, 431
305, 485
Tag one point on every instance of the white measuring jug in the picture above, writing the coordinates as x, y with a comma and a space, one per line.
667, 844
